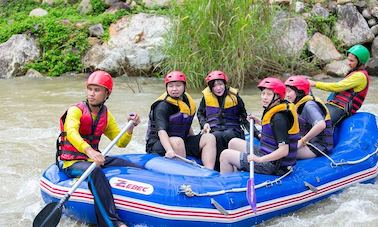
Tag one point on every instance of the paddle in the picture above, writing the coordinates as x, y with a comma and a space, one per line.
251, 195
51, 214
189, 161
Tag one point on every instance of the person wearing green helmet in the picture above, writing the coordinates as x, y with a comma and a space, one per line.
348, 94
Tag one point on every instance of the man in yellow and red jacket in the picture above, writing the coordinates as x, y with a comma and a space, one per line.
348, 94
82, 126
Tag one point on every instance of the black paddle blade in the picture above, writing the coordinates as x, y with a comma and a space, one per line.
49, 216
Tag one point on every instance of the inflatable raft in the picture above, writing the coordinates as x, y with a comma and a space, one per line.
172, 192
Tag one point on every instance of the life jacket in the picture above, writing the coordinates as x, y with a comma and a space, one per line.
350, 100
268, 143
89, 130
179, 123
326, 136
225, 115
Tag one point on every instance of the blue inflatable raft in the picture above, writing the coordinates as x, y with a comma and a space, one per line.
172, 192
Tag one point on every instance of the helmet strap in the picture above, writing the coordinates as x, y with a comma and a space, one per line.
274, 99
299, 95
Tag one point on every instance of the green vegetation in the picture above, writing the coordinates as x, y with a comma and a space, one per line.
229, 35
62, 34
326, 26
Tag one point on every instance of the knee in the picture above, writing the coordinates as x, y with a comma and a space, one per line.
232, 143
209, 138
176, 141
224, 156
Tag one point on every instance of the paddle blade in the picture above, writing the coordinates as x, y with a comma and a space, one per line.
251, 195
49, 216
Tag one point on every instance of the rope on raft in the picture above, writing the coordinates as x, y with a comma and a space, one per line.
341, 162
187, 189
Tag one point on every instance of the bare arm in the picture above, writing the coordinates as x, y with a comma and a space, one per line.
164, 140
280, 152
314, 131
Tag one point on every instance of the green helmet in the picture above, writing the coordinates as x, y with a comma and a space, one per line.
361, 52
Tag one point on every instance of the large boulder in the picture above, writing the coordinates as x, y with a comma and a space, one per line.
337, 68
351, 26
289, 33
134, 47
15, 53
322, 47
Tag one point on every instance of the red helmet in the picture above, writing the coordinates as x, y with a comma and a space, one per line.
216, 75
102, 79
174, 76
299, 82
274, 84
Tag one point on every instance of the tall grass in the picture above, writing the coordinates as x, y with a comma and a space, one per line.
228, 35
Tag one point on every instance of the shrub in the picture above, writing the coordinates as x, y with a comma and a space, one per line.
228, 35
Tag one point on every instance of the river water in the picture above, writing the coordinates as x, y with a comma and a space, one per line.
29, 127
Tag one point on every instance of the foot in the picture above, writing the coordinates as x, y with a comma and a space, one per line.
121, 224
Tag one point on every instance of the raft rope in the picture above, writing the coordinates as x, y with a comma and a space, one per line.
187, 189
342, 162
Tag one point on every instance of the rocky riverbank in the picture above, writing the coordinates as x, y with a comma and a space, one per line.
134, 43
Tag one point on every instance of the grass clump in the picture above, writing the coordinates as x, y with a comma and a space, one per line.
229, 35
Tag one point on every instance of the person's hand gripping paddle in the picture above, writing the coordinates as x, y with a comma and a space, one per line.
51, 214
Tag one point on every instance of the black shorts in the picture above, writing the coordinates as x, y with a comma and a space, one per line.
191, 146
315, 147
337, 114
271, 168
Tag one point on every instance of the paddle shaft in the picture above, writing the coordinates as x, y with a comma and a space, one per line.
251, 135
93, 165
189, 161
54, 210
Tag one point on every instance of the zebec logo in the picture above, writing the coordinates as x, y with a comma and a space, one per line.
131, 186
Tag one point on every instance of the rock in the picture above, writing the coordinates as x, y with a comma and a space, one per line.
374, 11
322, 47
118, 6
332, 6
85, 7
96, 30
38, 12
341, 2
318, 10
374, 29
371, 22
366, 14
321, 77
361, 5
32, 73
134, 47
351, 27
289, 33
337, 68
110, 2
15, 53
299, 7
94, 41
374, 48
372, 67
